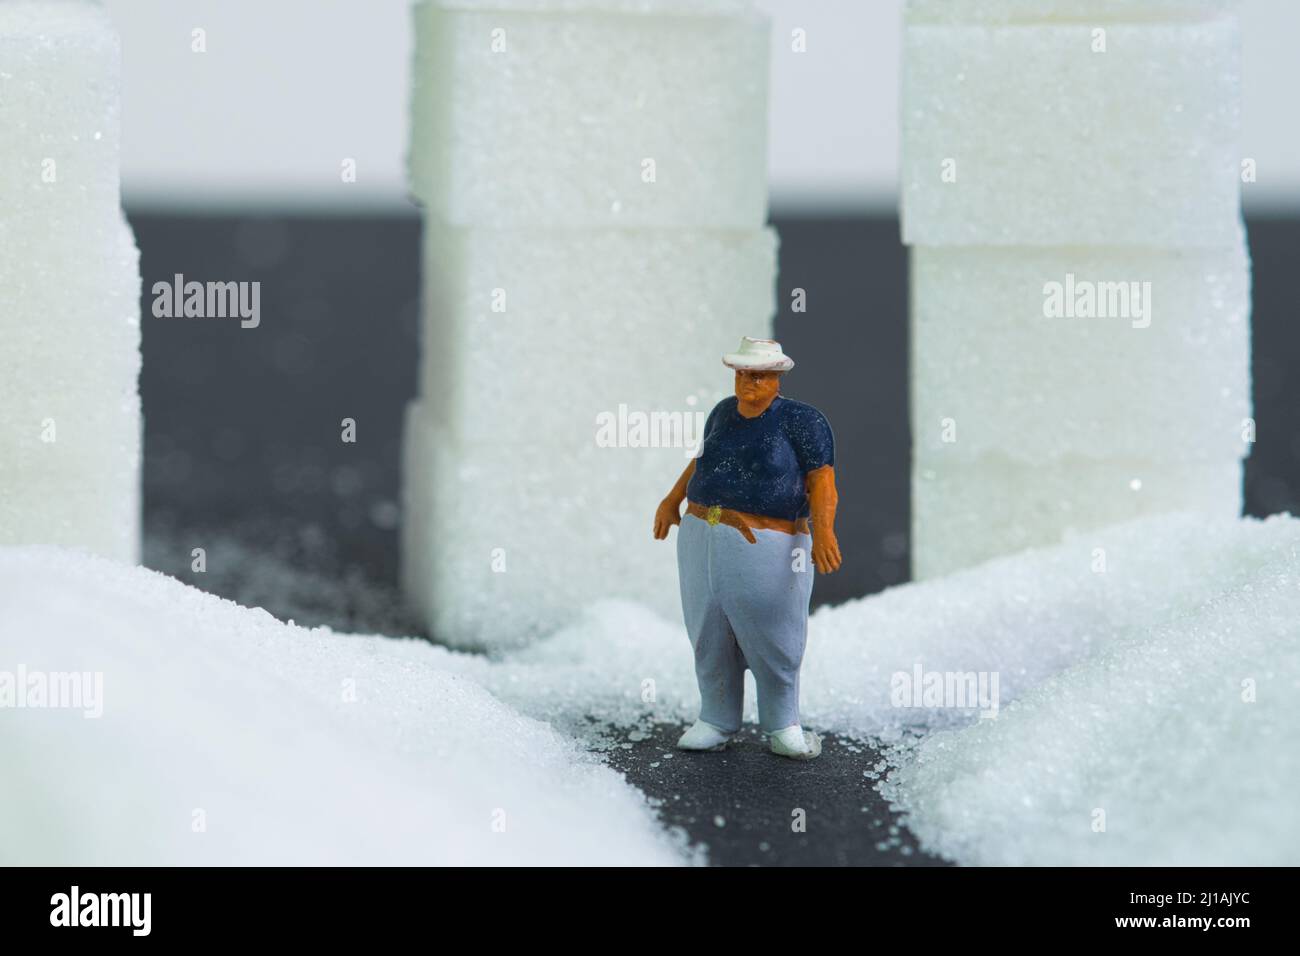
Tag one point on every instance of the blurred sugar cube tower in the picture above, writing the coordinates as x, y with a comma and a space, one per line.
594, 177
69, 287
1080, 284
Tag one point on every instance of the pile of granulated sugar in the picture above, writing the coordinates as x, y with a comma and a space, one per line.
1144, 677
1140, 688
1173, 744
148, 723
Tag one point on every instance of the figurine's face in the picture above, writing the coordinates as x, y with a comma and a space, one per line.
757, 388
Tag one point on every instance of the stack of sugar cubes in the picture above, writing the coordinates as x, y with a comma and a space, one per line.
1079, 275
69, 287
594, 179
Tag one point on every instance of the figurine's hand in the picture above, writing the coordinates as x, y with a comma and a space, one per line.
826, 553
667, 515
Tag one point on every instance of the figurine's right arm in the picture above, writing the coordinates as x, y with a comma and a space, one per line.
669, 511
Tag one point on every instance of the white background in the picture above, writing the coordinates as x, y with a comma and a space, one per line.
288, 88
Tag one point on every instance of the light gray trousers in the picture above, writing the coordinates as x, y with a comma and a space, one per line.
746, 606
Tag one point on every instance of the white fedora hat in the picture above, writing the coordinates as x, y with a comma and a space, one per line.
758, 355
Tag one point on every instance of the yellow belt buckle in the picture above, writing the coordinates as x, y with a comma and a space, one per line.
714, 515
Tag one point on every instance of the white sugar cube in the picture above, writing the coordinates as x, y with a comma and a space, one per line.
504, 543
1051, 11
59, 114
530, 334
78, 292
1040, 354
1062, 135
70, 424
964, 513
69, 288
595, 176
92, 510
591, 114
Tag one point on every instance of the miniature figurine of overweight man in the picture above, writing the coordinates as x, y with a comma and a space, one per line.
766, 467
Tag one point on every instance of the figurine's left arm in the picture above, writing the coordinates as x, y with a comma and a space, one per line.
822, 501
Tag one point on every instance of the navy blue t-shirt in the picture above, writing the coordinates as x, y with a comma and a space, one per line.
758, 464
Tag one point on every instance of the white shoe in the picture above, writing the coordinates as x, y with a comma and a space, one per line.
702, 736
796, 743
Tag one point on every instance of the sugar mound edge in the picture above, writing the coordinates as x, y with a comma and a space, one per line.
227, 737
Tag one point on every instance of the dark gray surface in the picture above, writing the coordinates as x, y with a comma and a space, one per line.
242, 457
242, 425
744, 803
